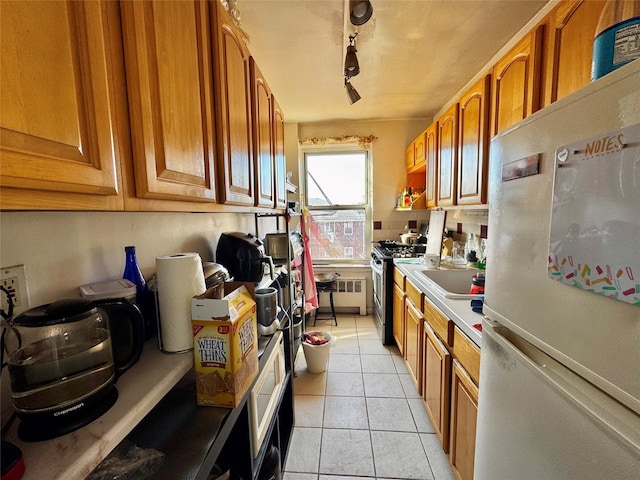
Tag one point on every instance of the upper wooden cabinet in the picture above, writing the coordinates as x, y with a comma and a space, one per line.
571, 28
415, 154
447, 157
168, 62
473, 144
410, 156
419, 145
264, 165
431, 164
233, 121
280, 159
516, 83
57, 134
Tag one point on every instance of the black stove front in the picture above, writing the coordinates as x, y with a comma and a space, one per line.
382, 256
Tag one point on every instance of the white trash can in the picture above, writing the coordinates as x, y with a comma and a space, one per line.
316, 355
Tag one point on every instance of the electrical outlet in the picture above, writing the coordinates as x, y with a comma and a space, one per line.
14, 280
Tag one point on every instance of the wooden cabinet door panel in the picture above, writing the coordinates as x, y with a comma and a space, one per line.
280, 159
410, 156
399, 318
431, 160
436, 367
516, 83
168, 60
473, 149
464, 414
419, 152
413, 343
447, 156
262, 135
57, 129
232, 82
570, 46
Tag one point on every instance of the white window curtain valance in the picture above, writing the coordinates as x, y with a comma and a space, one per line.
363, 142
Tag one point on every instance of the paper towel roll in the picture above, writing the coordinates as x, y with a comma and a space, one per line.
180, 277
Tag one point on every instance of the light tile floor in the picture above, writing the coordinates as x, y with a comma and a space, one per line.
363, 417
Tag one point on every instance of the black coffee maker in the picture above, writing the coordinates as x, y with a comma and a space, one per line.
244, 256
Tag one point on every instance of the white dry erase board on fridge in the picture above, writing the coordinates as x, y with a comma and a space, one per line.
594, 239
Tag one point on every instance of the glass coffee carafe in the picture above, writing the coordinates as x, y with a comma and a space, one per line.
63, 373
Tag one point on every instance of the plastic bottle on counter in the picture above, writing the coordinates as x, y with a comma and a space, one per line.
617, 37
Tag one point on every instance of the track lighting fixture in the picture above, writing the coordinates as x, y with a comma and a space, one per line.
351, 67
360, 11
352, 94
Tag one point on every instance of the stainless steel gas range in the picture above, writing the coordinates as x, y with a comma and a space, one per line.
382, 256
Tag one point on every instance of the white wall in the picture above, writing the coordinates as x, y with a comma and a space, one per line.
63, 250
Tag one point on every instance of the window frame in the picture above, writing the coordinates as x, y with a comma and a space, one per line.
348, 148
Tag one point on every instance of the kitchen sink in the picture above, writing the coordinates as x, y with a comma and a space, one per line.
450, 283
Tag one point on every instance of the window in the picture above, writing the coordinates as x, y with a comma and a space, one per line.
348, 228
337, 197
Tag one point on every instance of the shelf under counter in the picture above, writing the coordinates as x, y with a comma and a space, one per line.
75, 455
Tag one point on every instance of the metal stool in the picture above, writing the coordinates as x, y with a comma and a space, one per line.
327, 287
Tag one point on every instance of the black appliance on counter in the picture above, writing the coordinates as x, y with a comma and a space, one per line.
244, 257
70, 354
382, 256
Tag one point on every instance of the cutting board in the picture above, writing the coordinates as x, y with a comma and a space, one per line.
436, 231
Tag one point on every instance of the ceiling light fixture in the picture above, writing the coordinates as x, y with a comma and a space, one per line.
351, 67
360, 11
352, 94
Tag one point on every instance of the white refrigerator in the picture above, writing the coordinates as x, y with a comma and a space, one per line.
559, 393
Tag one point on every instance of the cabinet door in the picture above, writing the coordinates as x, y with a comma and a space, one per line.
58, 140
410, 156
572, 24
280, 159
447, 157
431, 161
516, 83
263, 164
436, 384
419, 152
168, 64
233, 100
464, 414
473, 144
398, 318
413, 343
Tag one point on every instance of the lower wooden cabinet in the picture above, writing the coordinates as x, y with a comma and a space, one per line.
398, 317
464, 414
436, 381
413, 343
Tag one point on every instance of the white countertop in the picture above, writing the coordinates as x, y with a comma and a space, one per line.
75, 455
458, 310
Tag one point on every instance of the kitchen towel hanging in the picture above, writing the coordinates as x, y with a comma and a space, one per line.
180, 277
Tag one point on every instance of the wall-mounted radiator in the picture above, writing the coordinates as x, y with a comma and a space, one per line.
351, 292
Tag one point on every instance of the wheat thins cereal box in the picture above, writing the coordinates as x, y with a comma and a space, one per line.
225, 345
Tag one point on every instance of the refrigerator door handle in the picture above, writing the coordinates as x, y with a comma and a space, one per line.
620, 422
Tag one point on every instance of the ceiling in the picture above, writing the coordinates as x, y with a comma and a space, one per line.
414, 55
